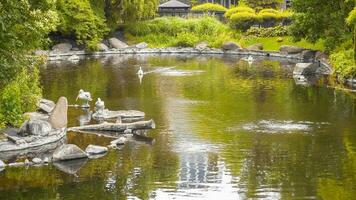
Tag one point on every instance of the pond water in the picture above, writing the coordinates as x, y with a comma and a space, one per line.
224, 130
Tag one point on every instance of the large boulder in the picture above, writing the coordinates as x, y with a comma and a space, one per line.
94, 149
46, 105
308, 54
68, 152
117, 44
230, 46
35, 127
305, 69
58, 118
287, 49
141, 45
62, 47
202, 45
255, 47
102, 47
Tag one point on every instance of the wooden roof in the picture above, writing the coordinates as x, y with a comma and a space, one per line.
173, 4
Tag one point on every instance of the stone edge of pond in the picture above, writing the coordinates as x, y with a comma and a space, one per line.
210, 51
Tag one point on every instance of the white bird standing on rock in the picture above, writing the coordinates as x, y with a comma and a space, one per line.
99, 106
85, 96
140, 71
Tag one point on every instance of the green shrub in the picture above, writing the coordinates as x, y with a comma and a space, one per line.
169, 31
342, 59
269, 10
19, 96
237, 10
206, 7
276, 31
244, 20
77, 18
186, 40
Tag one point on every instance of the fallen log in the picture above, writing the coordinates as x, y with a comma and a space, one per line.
116, 127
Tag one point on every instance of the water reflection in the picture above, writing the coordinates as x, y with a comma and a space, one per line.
201, 149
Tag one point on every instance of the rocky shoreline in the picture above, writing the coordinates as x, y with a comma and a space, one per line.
65, 51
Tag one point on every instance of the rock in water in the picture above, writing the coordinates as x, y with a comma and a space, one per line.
62, 47
119, 141
35, 127
287, 49
202, 45
68, 152
93, 149
37, 160
58, 118
46, 106
230, 46
305, 69
102, 47
141, 45
117, 44
46, 160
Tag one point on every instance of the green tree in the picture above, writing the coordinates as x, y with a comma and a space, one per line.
79, 19
319, 19
351, 20
23, 28
260, 4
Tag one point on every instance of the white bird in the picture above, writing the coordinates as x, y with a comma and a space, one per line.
140, 71
99, 106
85, 96
250, 59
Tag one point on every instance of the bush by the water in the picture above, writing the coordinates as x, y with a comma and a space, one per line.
276, 31
206, 7
18, 97
342, 59
175, 31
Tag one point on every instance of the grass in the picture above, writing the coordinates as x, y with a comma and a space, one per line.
171, 31
272, 44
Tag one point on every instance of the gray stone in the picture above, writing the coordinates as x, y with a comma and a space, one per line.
202, 45
46, 105
41, 53
305, 69
308, 54
35, 127
94, 149
119, 141
117, 44
46, 160
141, 45
68, 152
62, 47
37, 160
287, 49
102, 47
58, 118
16, 164
255, 47
36, 116
230, 46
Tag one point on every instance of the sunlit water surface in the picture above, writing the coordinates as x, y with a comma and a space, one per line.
225, 130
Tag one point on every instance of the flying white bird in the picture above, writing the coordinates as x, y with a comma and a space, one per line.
140, 71
85, 96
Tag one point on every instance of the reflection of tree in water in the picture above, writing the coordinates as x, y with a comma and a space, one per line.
281, 165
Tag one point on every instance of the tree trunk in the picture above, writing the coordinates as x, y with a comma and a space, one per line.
116, 127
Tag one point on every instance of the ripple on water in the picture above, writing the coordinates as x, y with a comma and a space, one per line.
177, 72
278, 126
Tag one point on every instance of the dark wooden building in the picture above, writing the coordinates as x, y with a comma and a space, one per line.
173, 8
